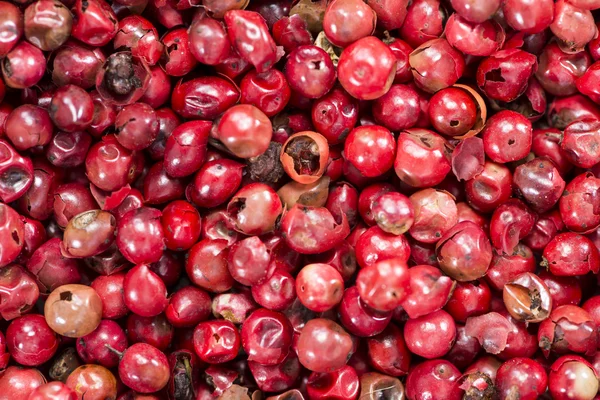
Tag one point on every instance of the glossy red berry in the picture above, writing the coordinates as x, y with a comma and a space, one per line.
464, 252
102, 345
109, 165
579, 143
435, 214
310, 71
136, 126
580, 215
320, 334
572, 376
249, 34
469, 299
28, 126
571, 254
20, 383
144, 292
144, 368
266, 337
377, 245
95, 23
511, 222
427, 283
177, 59
474, 38
346, 21
414, 31
436, 65
422, 158
269, 91
139, 36
209, 42
434, 378
504, 75
216, 341
452, 111
490, 188
53, 390
319, 287
181, 225
340, 384
30, 340
12, 27
216, 96
575, 327
573, 26
360, 319
522, 375
430, 336
384, 285
367, 68
23, 66
370, 149
245, 131
12, 239
507, 137
255, 209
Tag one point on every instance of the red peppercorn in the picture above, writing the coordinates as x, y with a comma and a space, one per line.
336, 199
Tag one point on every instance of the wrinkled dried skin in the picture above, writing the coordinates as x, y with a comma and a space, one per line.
477, 386
204, 98
511, 222
540, 183
504, 75
435, 214
16, 173
527, 298
311, 230
430, 291
218, 8
436, 65
233, 307
376, 386
468, 158
491, 330
64, 364
581, 143
465, 252
312, 12
311, 194
249, 35
89, 233
181, 382
18, 292
475, 39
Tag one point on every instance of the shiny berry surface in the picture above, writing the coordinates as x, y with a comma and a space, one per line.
299, 199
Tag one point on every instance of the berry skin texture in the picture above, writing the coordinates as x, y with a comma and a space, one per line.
367, 68
299, 199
